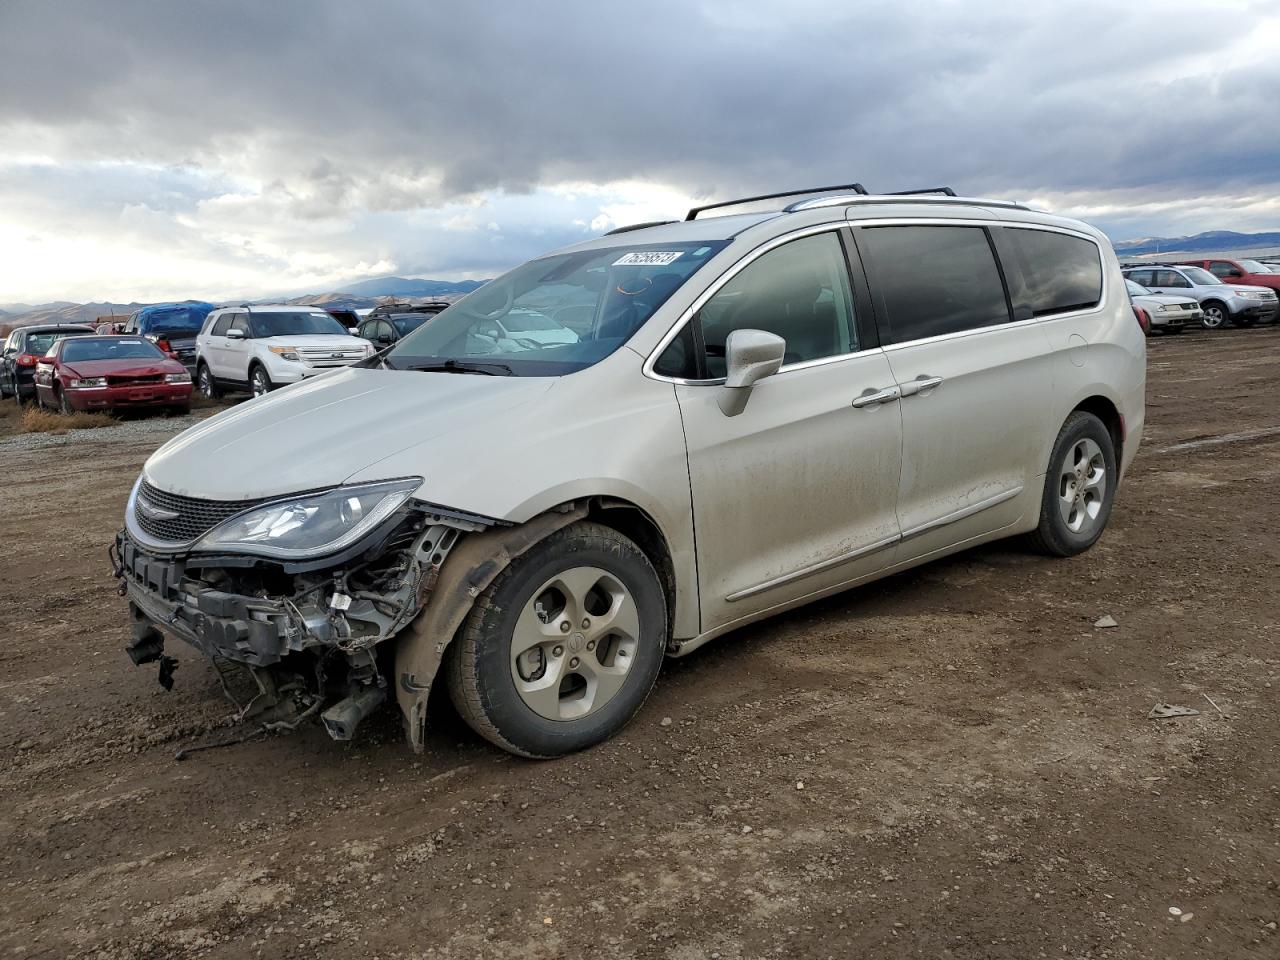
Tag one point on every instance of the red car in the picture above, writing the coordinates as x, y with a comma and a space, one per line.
111, 373
1249, 272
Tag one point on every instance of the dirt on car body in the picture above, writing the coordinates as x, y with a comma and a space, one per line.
954, 762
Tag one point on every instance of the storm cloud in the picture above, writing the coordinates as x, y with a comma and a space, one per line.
242, 147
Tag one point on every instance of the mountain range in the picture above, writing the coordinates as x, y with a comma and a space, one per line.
1212, 241
357, 295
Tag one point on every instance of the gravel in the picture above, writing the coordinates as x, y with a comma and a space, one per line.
157, 428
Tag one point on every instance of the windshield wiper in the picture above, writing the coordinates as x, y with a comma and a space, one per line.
464, 366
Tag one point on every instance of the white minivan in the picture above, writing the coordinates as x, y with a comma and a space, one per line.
257, 348
756, 410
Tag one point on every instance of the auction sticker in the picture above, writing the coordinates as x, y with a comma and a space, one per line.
648, 258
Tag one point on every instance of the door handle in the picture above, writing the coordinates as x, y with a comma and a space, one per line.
920, 384
872, 397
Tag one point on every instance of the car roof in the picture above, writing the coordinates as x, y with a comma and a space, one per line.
54, 327
276, 308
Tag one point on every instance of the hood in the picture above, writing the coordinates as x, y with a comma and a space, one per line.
320, 432
123, 368
1165, 298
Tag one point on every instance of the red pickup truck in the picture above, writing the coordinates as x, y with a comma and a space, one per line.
1249, 272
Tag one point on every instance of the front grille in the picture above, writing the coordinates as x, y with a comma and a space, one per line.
326, 357
194, 518
130, 381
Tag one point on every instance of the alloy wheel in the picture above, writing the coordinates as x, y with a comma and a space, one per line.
1082, 486
206, 383
260, 387
1214, 317
574, 643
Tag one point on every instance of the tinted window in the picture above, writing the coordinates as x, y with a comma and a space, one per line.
240, 321
291, 324
1059, 272
1220, 268
1169, 278
409, 322
935, 280
1143, 277
1190, 275
799, 291
221, 325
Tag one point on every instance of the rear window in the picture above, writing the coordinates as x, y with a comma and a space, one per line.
39, 343
935, 280
1060, 273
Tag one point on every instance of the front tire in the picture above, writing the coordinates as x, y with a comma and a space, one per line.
205, 383
1215, 315
259, 383
64, 407
1079, 488
564, 646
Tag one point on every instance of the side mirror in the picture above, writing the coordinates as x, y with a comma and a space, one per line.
750, 356
1235, 273
235, 334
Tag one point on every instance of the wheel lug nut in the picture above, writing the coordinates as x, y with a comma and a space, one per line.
573, 662
564, 626
591, 644
558, 651
585, 623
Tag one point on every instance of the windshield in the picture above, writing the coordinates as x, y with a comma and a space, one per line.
556, 315
1136, 289
1198, 276
113, 348
409, 322
282, 324
1254, 266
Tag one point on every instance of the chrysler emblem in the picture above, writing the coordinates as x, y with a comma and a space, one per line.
152, 512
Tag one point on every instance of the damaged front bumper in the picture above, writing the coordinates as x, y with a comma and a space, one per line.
297, 634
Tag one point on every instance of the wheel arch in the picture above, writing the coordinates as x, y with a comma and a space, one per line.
1105, 410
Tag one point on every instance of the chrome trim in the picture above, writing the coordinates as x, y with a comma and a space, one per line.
687, 315
874, 397
812, 569
963, 513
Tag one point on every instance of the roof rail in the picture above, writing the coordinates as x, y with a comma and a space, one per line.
638, 226
855, 187
899, 198
945, 191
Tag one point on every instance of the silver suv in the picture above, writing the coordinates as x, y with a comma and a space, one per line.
754, 411
1220, 302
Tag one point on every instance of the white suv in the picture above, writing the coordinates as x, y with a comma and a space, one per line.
259, 348
755, 411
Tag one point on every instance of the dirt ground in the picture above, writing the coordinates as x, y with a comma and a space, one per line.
952, 763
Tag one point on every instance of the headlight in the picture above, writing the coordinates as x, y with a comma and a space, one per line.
285, 353
310, 525
177, 378
86, 382
1251, 294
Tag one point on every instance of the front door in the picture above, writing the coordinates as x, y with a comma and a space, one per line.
795, 494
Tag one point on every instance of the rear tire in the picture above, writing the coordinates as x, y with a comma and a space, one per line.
1079, 488
564, 646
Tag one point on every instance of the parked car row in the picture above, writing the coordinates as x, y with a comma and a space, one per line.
1220, 301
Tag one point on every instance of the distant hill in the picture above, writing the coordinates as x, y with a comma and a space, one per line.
409, 287
65, 312
1212, 241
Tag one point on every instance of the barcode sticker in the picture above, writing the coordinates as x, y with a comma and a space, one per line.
648, 258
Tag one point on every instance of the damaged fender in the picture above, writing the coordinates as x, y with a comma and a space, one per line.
470, 567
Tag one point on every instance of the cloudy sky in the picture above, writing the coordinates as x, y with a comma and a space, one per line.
153, 149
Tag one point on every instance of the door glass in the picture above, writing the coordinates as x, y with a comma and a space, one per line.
221, 324
935, 280
241, 323
1220, 268
1170, 278
799, 291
